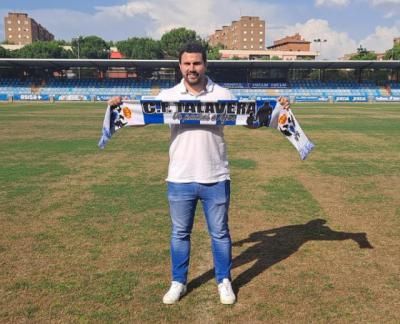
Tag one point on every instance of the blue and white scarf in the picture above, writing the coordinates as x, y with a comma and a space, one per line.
250, 113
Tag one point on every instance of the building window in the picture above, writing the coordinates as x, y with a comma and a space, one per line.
261, 47
19, 28
8, 21
26, 22
9, 36
18, 22
261, 40
19, 35
261, 25
251, 46
9, 29
244, 39
244, 31
251, 32
251, 39
244, 46
244, 25
252, 25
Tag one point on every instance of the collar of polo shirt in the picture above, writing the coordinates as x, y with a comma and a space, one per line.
209, 87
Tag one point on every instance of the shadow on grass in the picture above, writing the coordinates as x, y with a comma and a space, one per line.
275, 245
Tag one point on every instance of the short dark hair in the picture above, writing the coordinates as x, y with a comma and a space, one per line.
194, 47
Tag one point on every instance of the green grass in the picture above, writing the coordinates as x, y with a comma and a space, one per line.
85, 232
292, 199
242, 164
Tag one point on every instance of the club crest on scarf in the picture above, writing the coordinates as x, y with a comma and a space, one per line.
120, 116
287, 124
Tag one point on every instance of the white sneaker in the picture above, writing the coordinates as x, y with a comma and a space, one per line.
175, 292
226, 294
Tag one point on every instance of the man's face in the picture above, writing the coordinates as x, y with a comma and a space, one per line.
193, 68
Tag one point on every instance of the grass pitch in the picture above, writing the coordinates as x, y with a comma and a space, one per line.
85, 233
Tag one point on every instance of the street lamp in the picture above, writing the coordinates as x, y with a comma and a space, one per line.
320, 41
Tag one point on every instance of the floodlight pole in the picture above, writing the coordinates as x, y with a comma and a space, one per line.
79, 68
320, 41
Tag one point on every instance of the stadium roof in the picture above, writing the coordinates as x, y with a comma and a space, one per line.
102, 64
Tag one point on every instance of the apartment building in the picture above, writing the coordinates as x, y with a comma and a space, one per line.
291, 43
248, 33
20, 29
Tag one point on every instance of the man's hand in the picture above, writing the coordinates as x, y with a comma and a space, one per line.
114, 101
284, 102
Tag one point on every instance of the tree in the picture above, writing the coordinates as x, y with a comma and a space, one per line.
173, 41
4, 52
42, 49
213, 52
62, 42
393, 53
140, 48
363, 54
90, 47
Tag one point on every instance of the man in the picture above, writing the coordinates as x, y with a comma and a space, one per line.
198, 170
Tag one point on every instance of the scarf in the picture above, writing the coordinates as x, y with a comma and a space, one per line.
250, 113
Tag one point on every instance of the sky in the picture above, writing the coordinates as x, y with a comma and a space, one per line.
344, 24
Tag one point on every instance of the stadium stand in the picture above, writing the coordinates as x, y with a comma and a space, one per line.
87, 87
311, 88
123, 87
101, 89
394, 88
15, 86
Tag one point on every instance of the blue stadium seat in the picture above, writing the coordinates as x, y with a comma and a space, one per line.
129, 87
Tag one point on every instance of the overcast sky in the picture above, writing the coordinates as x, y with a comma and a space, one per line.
345, 24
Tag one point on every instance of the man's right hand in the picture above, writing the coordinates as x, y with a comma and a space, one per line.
114, 101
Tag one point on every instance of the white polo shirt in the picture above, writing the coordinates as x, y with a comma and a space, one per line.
197, 153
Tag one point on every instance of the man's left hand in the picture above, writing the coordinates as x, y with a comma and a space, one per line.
284, 102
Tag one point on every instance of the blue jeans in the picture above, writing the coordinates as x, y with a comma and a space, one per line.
183, 199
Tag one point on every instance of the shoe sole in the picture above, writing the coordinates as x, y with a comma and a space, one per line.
170, 302
227, 302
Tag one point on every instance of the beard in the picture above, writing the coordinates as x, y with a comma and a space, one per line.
194, 78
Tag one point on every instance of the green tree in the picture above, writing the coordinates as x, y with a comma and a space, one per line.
62, 42
363, 54
275, 58
42, 49
173, 40
140, 48
90, 47
213, 52
393, 53
4, 52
